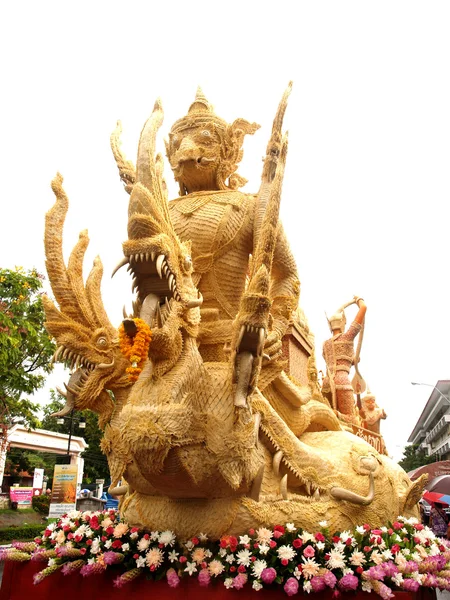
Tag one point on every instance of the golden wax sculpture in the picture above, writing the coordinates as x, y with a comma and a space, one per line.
203, 429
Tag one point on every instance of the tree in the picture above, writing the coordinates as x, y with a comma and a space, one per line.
25, 346
414, 456
95, 463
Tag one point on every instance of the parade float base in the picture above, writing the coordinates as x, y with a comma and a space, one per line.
17, 584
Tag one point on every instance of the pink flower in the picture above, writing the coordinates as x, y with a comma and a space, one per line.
204, 578
172, 578
317, 583
239, 581
309, 552
330, 579
291, 586
348, 582
268, 575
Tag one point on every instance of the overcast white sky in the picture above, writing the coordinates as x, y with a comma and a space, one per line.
365, 202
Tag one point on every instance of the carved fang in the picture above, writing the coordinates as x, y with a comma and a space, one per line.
122, 263
257, 484
343, 494
276, 462
159, 262
195, 303
283, 487
62, 392
105, 365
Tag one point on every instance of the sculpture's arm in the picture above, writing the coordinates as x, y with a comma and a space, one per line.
362, 310
284, 292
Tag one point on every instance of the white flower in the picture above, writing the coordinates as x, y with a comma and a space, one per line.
167, 538
54, 535
347, 571
95, 547
203, 537
307, 587
404, 531
191, 568
244, 540
172, 556
345, 535
434, 550
228, 583
336, 560
189, 545
230, 559
140, 562
108, 544
125, 547
309, 568
357, 558
257, 585
418, 577
258, 567
243, 557
91, 561
286, 552
134, 535
264, 549
297, 573
307, 537
397, 579
416, 556
154, 535
291, 527
384, 529
360, 529
339, 546
208, 553
397, 538
320, 545
323, 524
222, 552
143, 544
263, 535
376, 557
366, 586
51, 562
387, 554
405, 551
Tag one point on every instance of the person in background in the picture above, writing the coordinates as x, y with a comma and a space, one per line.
438, 519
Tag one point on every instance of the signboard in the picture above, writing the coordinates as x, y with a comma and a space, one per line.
21, 495
38, 478
64, 492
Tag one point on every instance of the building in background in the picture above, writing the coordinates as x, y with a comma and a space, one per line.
432, 430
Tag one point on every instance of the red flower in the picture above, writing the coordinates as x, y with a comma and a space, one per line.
182, 559
256, 545
297, 543
395, 548
223, 543
89, 542
233, 541
232, 569
146, 536
83, 550
70, 536
47, 533
66, 528
251, 532
320, 537
279, 528
135, 556
152, 568
284, 562
377, 531
397, 525
134, 529
253, 558
78, 538
104, 538
160, 545
367, 548
242, 569
196, 541
418, 526
110, 530
360, 570
277, 534
204, 565
390, 531
272, 544
116, 544
348, 541
366, 527
336, 539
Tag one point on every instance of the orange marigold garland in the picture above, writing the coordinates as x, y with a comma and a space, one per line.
135, 348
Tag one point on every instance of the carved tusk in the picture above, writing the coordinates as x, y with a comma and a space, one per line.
257, 483
106, 365
283, 487
159, 262
343, 494
60, 391
276, 462
195, 303
122, 263
68, 408
71, 390
118, 491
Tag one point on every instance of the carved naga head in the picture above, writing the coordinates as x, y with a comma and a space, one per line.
204, 151
87, 342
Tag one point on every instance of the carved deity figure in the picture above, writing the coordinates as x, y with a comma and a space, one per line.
339, 356
371, 413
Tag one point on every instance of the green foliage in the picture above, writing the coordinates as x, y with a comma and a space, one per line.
414, 456
18, 460
41, 504
95, 463
25, 347
22, 533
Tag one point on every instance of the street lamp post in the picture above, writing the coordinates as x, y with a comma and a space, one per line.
434, 387
81, 424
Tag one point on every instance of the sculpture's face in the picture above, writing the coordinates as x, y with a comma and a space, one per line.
194, 154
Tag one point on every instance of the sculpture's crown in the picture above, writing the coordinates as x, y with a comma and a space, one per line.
200, 112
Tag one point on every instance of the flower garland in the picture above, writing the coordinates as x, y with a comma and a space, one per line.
135, 348
404, 555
